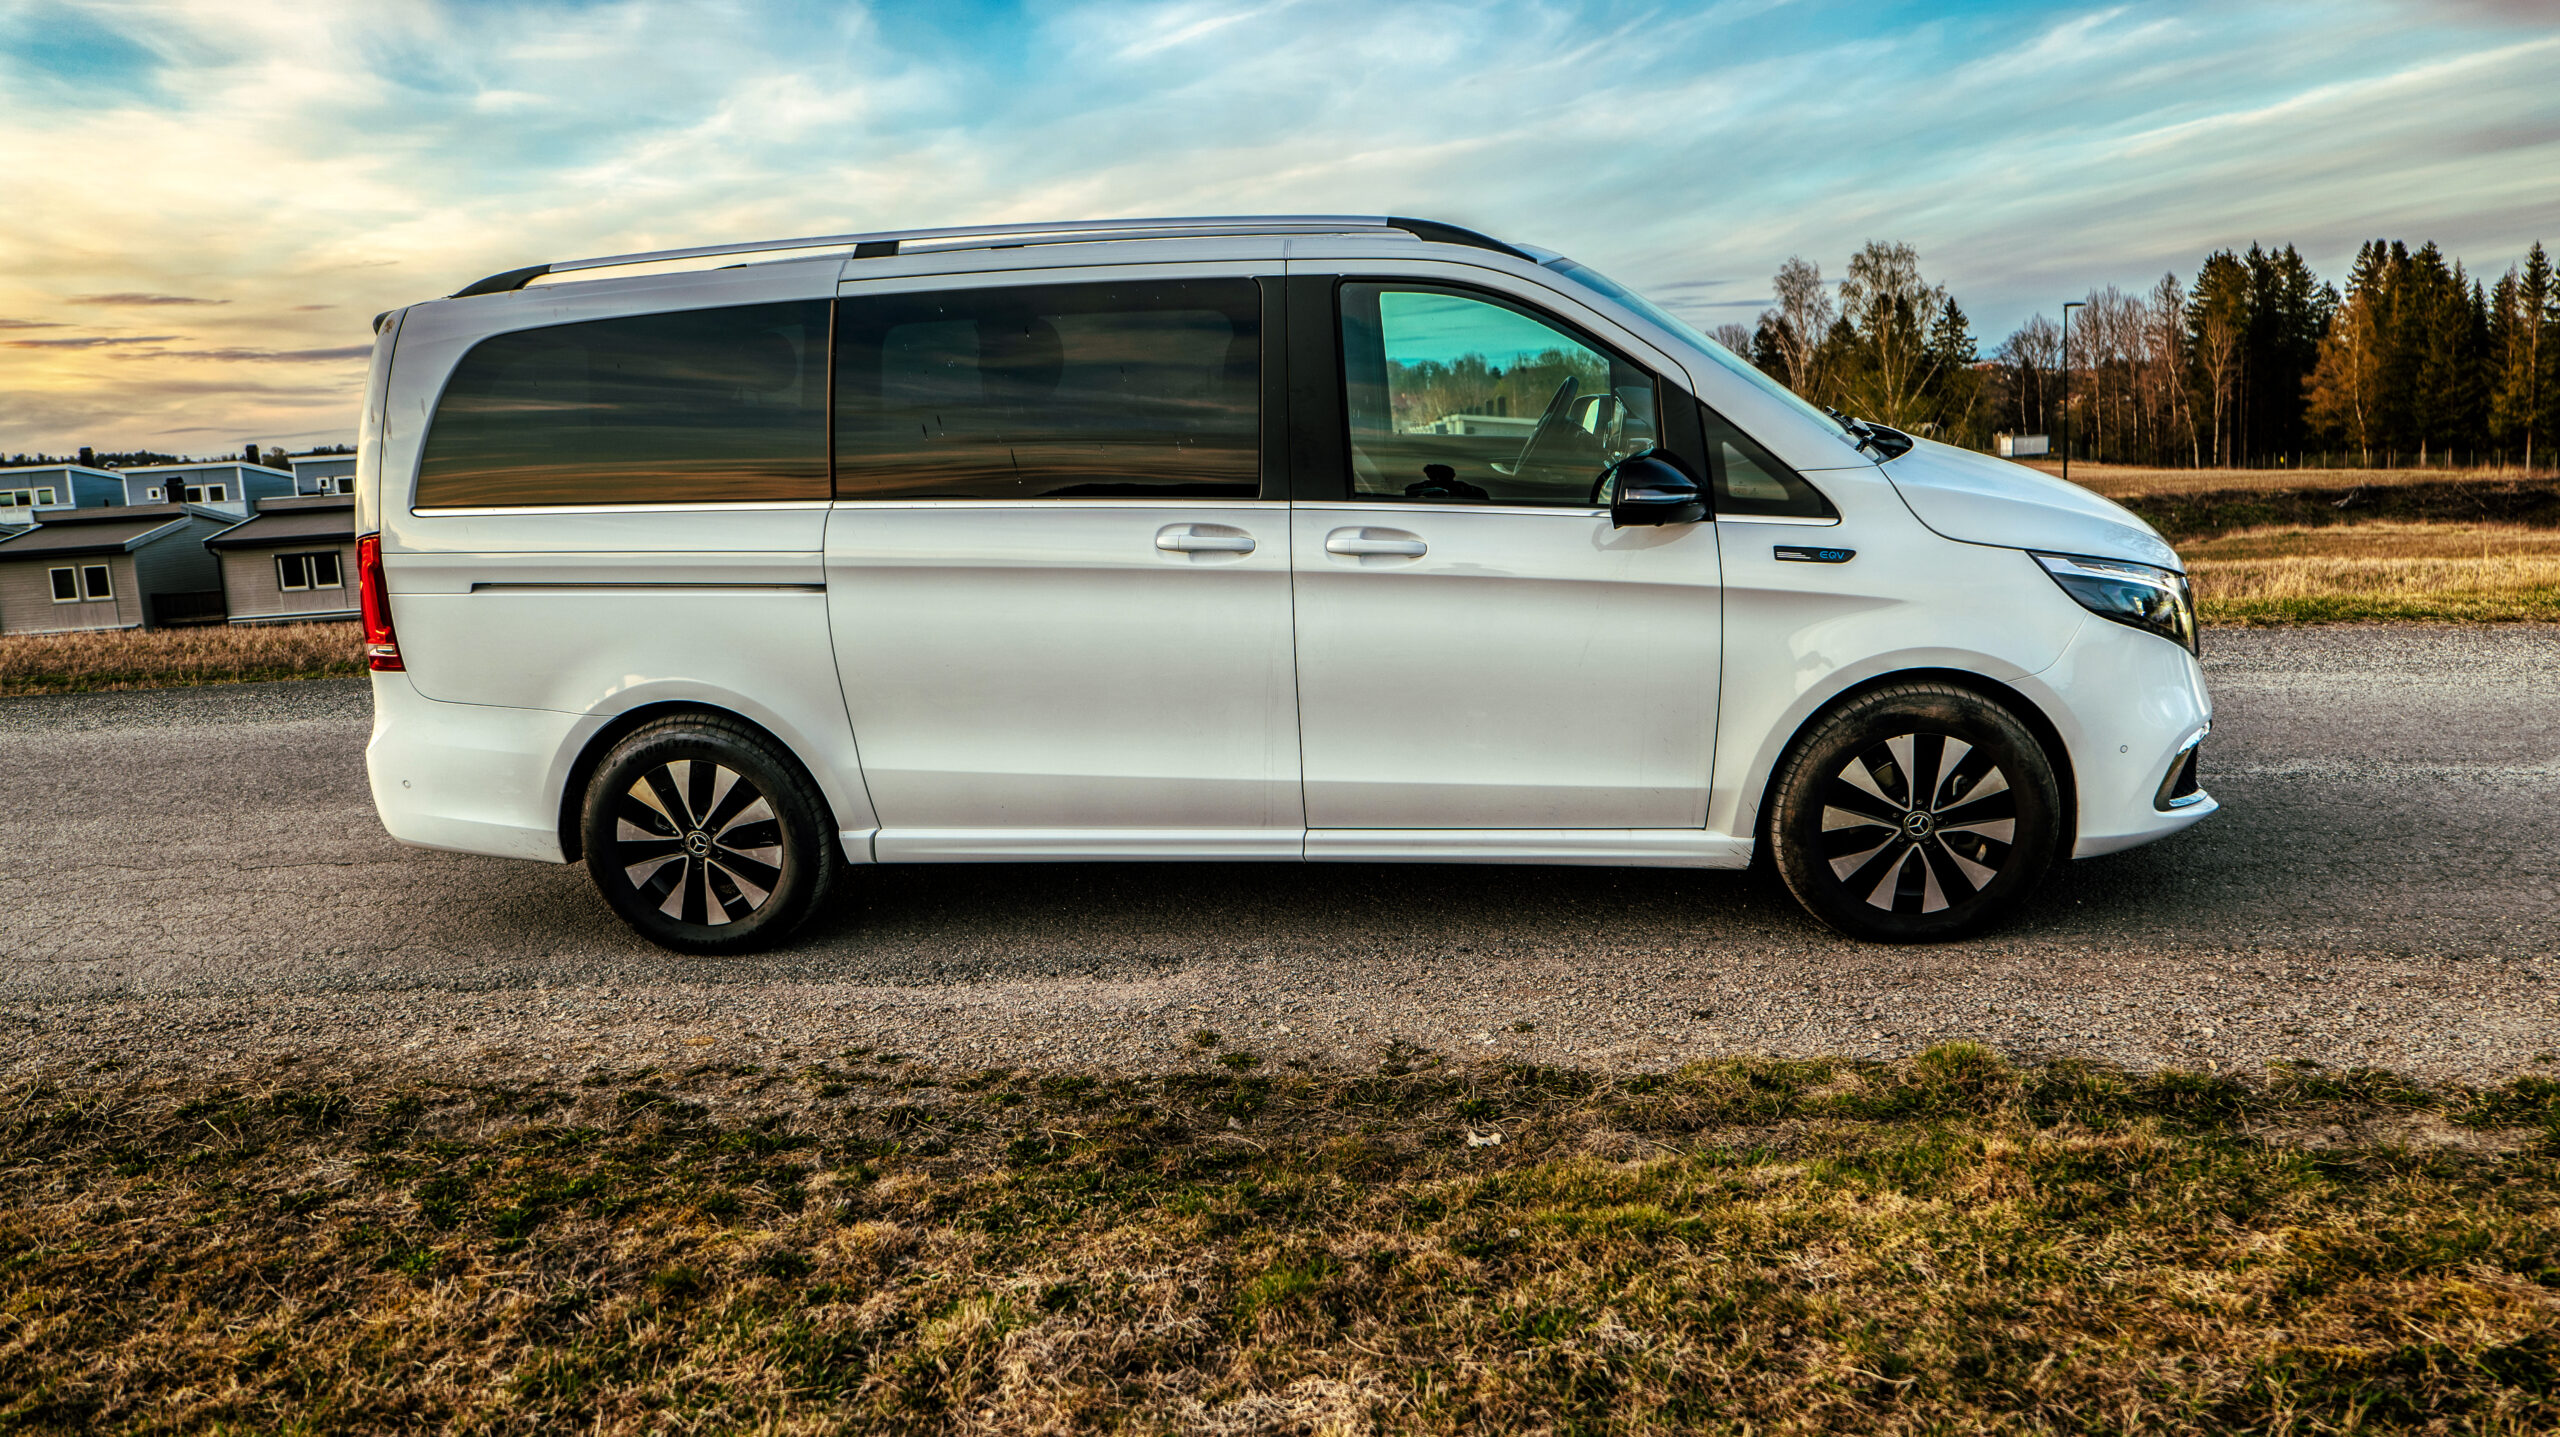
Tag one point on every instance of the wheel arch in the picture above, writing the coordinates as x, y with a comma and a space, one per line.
2048, 736
573, 792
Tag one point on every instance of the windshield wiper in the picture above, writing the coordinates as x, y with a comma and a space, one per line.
1884, 442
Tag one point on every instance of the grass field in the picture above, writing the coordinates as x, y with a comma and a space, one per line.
1946, 1244
2116, 481
165, 658
2377, 571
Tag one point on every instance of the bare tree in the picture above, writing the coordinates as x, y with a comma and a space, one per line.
1893, 309
2031, 351
1801, 319
1734, 337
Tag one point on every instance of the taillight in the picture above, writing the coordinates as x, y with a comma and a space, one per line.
381, 646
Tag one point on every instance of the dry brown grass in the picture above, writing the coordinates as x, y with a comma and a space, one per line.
2118, 481
2378, 571
168, 658
1946, 1244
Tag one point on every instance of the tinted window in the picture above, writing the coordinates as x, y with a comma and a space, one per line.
64, 588
1131, 389
1750, 481
700, 406
1458, 398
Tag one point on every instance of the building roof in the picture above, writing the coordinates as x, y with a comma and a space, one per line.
79, 469
62, 534
207, 464
324, 518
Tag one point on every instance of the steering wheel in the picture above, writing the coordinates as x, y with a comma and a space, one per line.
1559, 413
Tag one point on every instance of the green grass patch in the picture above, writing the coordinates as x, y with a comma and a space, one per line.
1946, 1244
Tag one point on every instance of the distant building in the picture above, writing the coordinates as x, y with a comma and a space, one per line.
127, 567
2021, 446
323, 473
294, 562
31, 489
226, 484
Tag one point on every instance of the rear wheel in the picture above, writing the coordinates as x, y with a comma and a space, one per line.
706, 837
1915, 813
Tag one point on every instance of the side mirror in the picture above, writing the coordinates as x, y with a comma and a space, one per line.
1648, 488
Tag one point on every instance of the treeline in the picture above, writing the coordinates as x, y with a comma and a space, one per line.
2257, 362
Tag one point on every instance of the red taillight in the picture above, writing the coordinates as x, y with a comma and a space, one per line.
381, 646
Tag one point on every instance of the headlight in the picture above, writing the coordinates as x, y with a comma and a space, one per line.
2152, 599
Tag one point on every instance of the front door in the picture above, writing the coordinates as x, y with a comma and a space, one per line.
1478, 649
1060, 601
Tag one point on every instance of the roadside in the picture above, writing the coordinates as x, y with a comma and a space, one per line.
116, 659
853, 1240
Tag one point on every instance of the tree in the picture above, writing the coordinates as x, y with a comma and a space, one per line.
2346, 380
1797, 325
2217, 332
1734, 337
2028, 355
1892, 309
1957, 386
2524, 316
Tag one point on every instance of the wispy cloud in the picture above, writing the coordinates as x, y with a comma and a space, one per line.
87, 341
136, 298
278, 170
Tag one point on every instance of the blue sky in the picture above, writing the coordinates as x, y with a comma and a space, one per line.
208, 199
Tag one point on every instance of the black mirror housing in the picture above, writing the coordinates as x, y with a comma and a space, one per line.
1648, 489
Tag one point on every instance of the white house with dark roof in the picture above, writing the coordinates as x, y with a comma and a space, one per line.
293, 562
28, 490
227, 484
323, 473
127, 567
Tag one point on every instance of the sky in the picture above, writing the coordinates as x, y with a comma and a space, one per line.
203, 203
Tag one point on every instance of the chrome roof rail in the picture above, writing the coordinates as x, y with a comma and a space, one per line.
885, 243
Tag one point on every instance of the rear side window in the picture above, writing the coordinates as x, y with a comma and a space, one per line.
699, 406
1751, 482
1134, 389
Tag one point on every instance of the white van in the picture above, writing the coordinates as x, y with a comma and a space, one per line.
1334, 538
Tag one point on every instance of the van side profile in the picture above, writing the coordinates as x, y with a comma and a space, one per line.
1361, 539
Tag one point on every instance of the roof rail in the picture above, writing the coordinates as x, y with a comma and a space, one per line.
884, 243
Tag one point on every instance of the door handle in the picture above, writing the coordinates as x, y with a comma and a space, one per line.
1178, 539
1375, 541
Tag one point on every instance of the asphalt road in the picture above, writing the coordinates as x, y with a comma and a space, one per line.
197, 877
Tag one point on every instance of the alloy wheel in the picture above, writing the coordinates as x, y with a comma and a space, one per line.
1918, 823
699, 841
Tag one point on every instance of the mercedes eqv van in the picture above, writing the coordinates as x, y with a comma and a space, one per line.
1332, 538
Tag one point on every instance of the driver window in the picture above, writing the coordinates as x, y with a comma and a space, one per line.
1458, 398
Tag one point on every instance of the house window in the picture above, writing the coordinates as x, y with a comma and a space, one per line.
44, 496
66, 586
95, 582
152, 494
346, 483
208, 493
297, 572
19, 498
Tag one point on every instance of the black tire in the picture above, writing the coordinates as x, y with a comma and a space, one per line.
1863, 856
706, 836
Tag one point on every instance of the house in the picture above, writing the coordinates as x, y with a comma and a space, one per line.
293, 562
323, 473
228, 484
30, 489
127, 567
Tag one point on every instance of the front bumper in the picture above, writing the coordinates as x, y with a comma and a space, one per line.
2133, 712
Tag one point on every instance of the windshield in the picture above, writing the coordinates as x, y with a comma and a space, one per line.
1734, 364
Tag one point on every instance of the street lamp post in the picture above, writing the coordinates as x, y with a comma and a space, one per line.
2066, 384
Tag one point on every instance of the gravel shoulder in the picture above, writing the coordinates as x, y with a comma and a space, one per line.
195, 879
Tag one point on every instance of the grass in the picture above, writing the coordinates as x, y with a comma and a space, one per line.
1946, 1244
167, 658
2374, 571
2118, 481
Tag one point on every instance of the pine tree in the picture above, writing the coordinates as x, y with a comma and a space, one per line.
1958, 387
2346, 381
2524, 351
2218, 335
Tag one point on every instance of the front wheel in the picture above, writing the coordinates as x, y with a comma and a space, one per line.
1915, 813
706, 837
